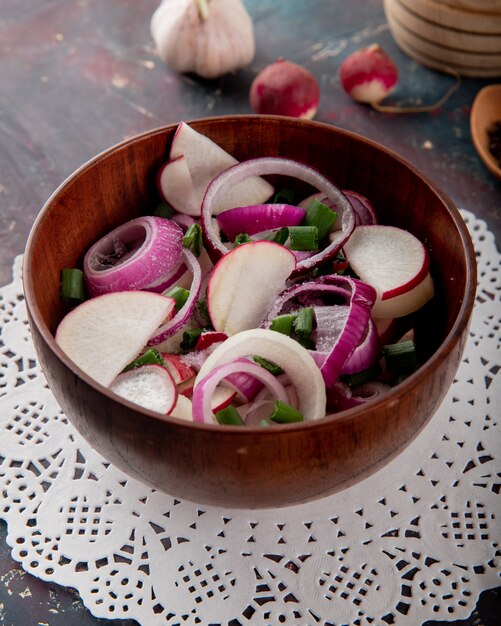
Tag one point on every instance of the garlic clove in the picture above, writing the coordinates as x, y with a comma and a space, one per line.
207, 37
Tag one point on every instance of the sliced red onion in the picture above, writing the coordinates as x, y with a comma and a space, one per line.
185, 312
132, 255
362, 207
365, 354
340, 396
204, 389
340, 328
258, 217
246, 386
183, 220
167, 280
220, 185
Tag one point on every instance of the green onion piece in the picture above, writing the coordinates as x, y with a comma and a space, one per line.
72, 285
401, 357
303, 237
180, 295
264, 423
241, 238
229, 416
150, 357
321, 216
163, 210
285, 414
360, 378
193, 239
283, 324
268, 365
203, 312
281, 235
284, 196
190, 338
303, 324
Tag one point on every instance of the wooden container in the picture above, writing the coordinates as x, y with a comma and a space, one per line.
235, 466
448, 36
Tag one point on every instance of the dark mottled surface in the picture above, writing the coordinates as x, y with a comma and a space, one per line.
77, 76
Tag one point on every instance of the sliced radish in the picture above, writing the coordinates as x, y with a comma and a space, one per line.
222, 398
295, 360
245, 283
182, 410
395, 263
194, 161
178, 369
149, 386
209, 338
104, 334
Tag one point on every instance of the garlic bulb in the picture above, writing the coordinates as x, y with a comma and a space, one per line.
207, 37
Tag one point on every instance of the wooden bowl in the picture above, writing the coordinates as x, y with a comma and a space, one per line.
252, 467
486, 110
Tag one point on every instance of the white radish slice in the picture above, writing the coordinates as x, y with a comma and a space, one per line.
104, 334
245, 283
194, 161
288, 354
178, 369
395, 263
222, 398
182, 410
149, 386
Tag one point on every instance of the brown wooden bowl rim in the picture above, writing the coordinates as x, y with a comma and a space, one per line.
445, 348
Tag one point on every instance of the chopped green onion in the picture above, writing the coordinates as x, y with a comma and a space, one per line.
268, 365
190, 339
72, 285
163, 210
321, 216
360, 378
401, 357
283, 324
284, 414
281, 235
193, 239
303, 324
284, 196
264, 423
241, 238
303, 237
229, 416
150, 357
203, 312
180, 295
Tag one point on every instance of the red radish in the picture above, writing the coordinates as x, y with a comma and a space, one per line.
288, 354
285, 88
149, 386
395, 263
182, 410
368, 75
209, 338
194, 160
244, 284
104, 334
222, 398
178, 369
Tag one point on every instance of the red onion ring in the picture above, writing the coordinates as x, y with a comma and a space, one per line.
340, 396
281, 166
204, 389
365, 354
167, 280
151, 247
185, 312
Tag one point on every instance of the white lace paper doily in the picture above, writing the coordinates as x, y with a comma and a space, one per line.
414, 542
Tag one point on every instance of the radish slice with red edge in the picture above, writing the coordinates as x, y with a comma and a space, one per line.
259, 217
263, 166
149, 386
205, 386
183, 409
185, 312
104, 334
288, 354
395, 263
133, 255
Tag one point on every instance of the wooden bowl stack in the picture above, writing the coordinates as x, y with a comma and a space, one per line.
459, 35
